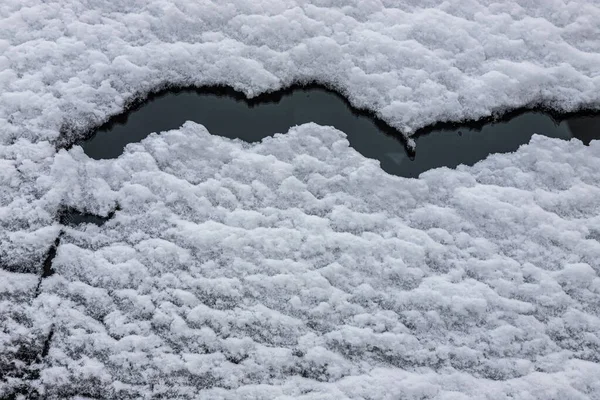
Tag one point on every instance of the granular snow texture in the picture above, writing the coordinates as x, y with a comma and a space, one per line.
295, 267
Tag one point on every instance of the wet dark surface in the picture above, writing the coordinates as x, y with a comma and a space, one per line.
47, 269
73, 217
227, 113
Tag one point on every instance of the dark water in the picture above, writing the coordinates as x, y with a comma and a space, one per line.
227, 113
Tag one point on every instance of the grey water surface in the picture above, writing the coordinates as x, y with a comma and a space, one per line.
227, 113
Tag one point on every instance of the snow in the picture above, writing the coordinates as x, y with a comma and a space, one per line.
295, 267
71, 63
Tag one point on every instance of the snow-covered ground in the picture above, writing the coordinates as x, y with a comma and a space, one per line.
296, 268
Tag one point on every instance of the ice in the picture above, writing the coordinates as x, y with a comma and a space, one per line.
295, 267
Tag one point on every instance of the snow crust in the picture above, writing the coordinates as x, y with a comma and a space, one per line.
295, 267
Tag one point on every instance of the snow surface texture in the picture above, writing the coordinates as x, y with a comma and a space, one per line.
296, 268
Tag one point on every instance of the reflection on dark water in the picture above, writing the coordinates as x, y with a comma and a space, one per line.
227, 113
585, 129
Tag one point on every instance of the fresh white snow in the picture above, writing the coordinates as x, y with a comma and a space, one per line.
295, 267
70, 63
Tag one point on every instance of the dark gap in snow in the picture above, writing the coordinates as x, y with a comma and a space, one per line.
46, 348
585, 128
70, 216
47, 269
583, 124
223, 93
226, 112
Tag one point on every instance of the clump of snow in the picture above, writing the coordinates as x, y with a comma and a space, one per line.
296, 268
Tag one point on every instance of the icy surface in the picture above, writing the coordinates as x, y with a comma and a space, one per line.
296, 268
